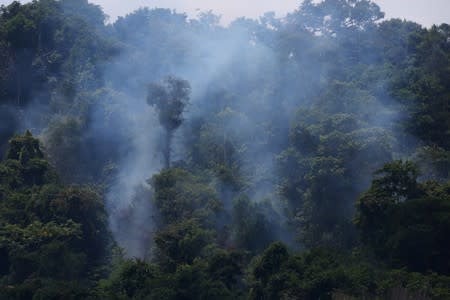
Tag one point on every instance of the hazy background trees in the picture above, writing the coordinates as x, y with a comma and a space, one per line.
169, 158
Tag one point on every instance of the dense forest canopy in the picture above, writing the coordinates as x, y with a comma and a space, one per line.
161, 157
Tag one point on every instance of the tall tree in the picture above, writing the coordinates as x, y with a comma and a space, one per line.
170, 98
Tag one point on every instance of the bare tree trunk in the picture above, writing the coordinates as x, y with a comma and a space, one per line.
225, 149
167, 148
19, 88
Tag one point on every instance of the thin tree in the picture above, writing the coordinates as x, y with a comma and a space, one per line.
170, 98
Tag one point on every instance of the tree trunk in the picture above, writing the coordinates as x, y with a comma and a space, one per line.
19, 89
225, 148
167, 143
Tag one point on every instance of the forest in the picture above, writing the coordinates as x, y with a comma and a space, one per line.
168, 158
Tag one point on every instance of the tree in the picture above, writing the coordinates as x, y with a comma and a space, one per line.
406, 223
52, 238
394, 184
252, 228
334, 16
179, 195
170, 98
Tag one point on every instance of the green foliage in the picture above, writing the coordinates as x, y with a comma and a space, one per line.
140, 280
325, 273
180, 195
130, 281
252, 228
25, 164
397, 181
188, 208
16, 238
51, 236
50, 46
331, 145
271, 261
180, 243
294, 120
406, 222
170, 99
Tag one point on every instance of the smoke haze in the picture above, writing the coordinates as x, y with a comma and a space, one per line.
270, 99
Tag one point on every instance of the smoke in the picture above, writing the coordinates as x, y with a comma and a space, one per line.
129, 197
7, 126
216, 61
249, 81
245, 92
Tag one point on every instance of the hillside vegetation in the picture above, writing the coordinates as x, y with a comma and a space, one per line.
161, 157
